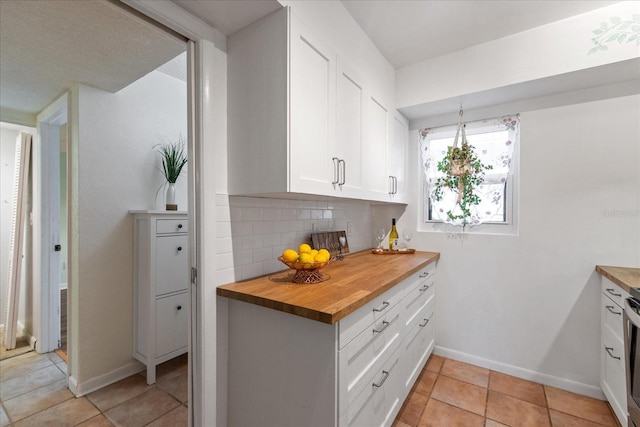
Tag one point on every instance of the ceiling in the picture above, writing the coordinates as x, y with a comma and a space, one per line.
46, 46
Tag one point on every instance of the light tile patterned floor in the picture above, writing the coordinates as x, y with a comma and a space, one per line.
33, 393
449, 393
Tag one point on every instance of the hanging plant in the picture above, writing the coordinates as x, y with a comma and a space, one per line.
463, 173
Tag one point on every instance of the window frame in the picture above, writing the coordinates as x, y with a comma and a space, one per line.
511, 205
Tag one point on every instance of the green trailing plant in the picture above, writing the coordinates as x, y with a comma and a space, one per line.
173, 157
463, 173
617, 30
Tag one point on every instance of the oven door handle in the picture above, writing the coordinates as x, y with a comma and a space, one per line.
630, 312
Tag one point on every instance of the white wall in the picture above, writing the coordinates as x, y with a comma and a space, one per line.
8, 135
529, 304
117, 172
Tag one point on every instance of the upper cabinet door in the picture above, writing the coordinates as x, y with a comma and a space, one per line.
397, 160
374, 152
312, 92
350, 127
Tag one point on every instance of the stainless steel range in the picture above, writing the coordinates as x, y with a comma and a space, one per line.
632, 352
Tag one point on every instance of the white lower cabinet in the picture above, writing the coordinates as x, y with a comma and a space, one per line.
612, 355
286, 370
161, 295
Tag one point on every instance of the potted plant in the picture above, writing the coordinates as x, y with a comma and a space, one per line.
173, 158
463, 173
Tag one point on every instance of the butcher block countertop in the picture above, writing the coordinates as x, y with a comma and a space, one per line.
352, 283
624, 277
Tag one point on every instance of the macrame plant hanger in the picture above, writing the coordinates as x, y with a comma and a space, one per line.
459, 166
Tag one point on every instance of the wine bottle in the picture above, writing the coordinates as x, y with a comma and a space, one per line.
393, 236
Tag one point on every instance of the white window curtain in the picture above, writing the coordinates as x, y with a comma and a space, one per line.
494, 141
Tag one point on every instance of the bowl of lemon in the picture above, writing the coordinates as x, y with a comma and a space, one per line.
306, 261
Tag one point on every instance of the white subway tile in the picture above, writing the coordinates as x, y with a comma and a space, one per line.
250, 271
280, 226
316, 214
235, 213
224, 245
239, 228
270, 240
270, 214
222, 199
222, 213
262, 227
280, 203
260, 255
251, 214
223, 229
296, 225
251, 242
224, 261
327, 214
225, 276
273, 266
303, 214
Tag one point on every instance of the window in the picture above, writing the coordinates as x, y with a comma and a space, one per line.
495, 143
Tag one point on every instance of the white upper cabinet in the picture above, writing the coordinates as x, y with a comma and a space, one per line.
300, 118
350, 119
397, 158
312, 92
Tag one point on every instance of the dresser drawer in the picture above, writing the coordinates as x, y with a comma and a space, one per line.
172, 264
167, 226
352, 325
172, 315
612, 316
613, 291
365, 351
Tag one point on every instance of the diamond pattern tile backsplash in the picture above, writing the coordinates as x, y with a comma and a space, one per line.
252, 232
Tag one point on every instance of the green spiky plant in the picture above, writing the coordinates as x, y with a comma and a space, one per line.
173, 158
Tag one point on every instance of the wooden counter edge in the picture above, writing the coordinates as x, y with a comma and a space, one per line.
605, 270
320, 316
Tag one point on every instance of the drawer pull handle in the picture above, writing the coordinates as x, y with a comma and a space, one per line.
179, 248
385, 375
385, 325
423, 275
610, 308
422, 325
612, 292
610, 353
385, 304
179, 307
424, 288
179, 226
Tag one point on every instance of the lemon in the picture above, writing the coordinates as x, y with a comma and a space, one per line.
306, 258
321, 257
325, 252
304, 248
290, 255
313, 253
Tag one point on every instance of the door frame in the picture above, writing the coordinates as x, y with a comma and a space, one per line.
46, 224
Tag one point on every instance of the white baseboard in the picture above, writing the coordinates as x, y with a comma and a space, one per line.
21, 332
93, 384
525, 374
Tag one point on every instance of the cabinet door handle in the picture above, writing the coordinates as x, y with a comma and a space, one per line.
385, 375
179, 248
610, 308
336, 173
423, 275
385, 325
382, 307
344, 171
424, 288
395, 185
611, 354
179, 226
390, 185
422, 325
179, 307
612, 292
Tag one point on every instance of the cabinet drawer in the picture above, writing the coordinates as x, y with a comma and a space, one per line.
378, 401
172, 264
613, 291
415, 299
418, 343
613, 365
172, 315
352, 325
365, 351
612, 316
166, 226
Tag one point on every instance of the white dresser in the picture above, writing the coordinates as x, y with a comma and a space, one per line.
161, 287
